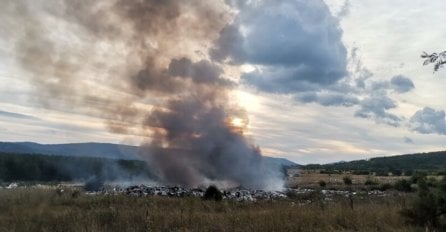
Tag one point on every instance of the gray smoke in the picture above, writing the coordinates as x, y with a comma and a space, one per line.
144, 67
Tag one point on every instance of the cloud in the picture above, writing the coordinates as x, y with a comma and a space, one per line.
376, 107
398, 83
360, 89
296, 48
328, 98
370, 97
345, 9
401, 84
428, 121
377, 101
17, 115
294, 44
408, 140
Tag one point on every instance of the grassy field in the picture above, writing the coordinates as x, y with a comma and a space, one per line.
336, 180
46, 210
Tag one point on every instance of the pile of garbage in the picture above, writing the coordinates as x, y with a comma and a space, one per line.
12, 185
329, 194
237, 194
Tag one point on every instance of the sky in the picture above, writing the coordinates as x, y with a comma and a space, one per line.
319, 81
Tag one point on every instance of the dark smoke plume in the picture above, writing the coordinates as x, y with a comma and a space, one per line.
144, 67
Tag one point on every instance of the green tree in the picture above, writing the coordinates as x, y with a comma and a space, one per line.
403, 185
429, 205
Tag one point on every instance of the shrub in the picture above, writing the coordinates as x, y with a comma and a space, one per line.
369, 181
213, 193
432, 181
382, 173
417, 176
322, 184
397, 172
408, 173
403, 186
423, 211
385, 187
361, 172
347, 180
426, 209
75, 194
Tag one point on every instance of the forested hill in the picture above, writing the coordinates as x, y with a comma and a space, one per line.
27, 167
98, 150
432, 161
81, 162
49, 168
95, 150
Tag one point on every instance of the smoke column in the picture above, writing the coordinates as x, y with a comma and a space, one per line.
143, 66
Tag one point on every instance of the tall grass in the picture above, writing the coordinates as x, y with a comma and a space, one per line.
46, 210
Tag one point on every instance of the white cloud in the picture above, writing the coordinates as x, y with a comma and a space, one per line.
296, 45
429, 121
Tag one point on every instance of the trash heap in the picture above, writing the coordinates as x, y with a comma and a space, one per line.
237, 194
330, 194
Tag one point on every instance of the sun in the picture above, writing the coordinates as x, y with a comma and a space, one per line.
237, 122
237, 125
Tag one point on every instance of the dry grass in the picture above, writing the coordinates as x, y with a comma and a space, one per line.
336, 180
45, 210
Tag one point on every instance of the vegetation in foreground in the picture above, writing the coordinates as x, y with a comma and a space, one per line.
49, 210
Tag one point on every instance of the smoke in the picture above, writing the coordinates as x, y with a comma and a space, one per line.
143, 66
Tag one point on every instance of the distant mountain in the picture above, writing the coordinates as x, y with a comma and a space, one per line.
99, 150
281, 161
431, 161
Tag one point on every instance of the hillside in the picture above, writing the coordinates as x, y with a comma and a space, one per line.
98, 150
432, 161
25, 167
27, 161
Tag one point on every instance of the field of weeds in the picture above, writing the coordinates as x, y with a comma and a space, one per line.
50, 210
336, 180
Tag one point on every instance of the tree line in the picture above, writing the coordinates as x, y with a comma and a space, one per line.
48, 168
394, 165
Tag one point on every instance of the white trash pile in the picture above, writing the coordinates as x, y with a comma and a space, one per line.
329, 194
176, 191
